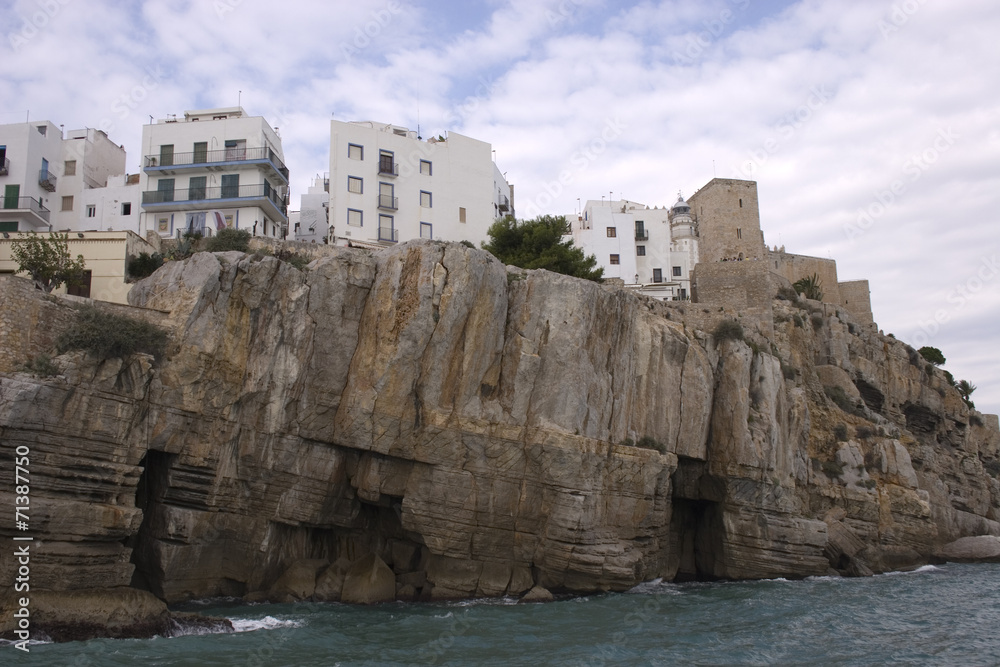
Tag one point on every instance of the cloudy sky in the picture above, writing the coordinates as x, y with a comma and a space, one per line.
871, 126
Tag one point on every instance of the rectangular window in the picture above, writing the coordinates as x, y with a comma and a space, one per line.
461, 214
354, 217
425, 167
166, 155
386, 228
612, 232
615, 260
657, 275
201, 152
82, 288
236, 149
640, 250
127, 208
196, 188
640, 231
677, 271
69, 168
739, 233
67, 203
230, 186
425, 199
387, 196
11, 193
355, 185
165, 190
8, 225
91, 211
386, 162
425, 230
355, 152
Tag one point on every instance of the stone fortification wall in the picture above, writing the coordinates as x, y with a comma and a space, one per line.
728, 220
744, 286
856, 297
794, 267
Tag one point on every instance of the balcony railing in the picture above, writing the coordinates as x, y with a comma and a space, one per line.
504, 203
641, 236
387, 234
214, 157
258, 191
388, 202
47, 180
5, 167
26, 204
388, 167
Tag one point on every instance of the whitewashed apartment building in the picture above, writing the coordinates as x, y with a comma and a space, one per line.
652, 250
213, 169
388, 185
311, 223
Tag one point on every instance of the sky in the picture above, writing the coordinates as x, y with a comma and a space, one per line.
872, 127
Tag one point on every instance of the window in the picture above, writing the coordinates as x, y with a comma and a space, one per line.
640, 230
741, 203
677, 271
425, 167
425, 199
69, 168
425, 230
657, 275
355, 185
386, 163
166, 155
739, 233
8, 226
91, 211
127, 208
41, 129
236, 149
196, 188
354, 217
230, 186
82, 288
615, 260
201, 152
165, 190
67, 203
386, 228
612, 232
640, 250
355, 152
387, 196
222, 117
461, 214
11, 193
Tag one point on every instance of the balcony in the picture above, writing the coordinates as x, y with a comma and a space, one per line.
26, 209
504, 204
388, 168
197, 199
641, 235
216, 160
47, 180
387, 234
388, 202
5, 167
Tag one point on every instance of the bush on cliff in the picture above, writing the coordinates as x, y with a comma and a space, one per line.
932, 354
106, 335
728, 330
229, 239
539, 244
144, 265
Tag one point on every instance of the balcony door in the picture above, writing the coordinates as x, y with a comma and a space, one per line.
230, 186
166, 155
201, 152
10, 195
196, 188
236, 149
165, 189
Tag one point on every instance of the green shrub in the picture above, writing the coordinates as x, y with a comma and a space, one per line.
144, 265
42, 366
950, 378
728, 330
843, 401
932, 354
229, 239
864, 432
628, 442
832, 468
798, 321
300, 262
468, 244
840, 432
870, 483
786, 293
106, 335
646, 442
817, 320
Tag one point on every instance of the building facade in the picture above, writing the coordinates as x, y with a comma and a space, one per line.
653, 250
213, 169
311, 223
388, 185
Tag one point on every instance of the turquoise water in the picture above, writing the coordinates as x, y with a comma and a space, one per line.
944, 615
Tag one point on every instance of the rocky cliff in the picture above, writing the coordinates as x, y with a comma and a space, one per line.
428, 423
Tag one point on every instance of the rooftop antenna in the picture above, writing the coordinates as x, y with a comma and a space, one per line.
239, 98
418, 122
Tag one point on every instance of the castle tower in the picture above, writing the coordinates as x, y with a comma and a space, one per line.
728, 220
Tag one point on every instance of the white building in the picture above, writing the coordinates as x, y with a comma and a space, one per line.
311, 223
43, 175
652, 250
389, 185
112, 208
213, 169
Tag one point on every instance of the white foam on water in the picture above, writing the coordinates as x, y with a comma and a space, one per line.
266, 623
924, 569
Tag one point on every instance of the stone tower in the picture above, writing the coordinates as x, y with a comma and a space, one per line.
728, 220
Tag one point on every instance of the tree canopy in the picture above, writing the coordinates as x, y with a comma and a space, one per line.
538, 244
47, 260
932, 354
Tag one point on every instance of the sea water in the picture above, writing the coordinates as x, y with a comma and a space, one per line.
936, 615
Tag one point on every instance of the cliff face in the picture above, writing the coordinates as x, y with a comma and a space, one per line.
473, 427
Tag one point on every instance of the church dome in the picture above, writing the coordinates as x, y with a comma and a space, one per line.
680, 206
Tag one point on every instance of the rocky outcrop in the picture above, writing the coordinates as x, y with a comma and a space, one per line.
474, 429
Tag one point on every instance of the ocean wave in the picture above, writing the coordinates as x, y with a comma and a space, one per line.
656, 586
924, 569
495, 602
266, 623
